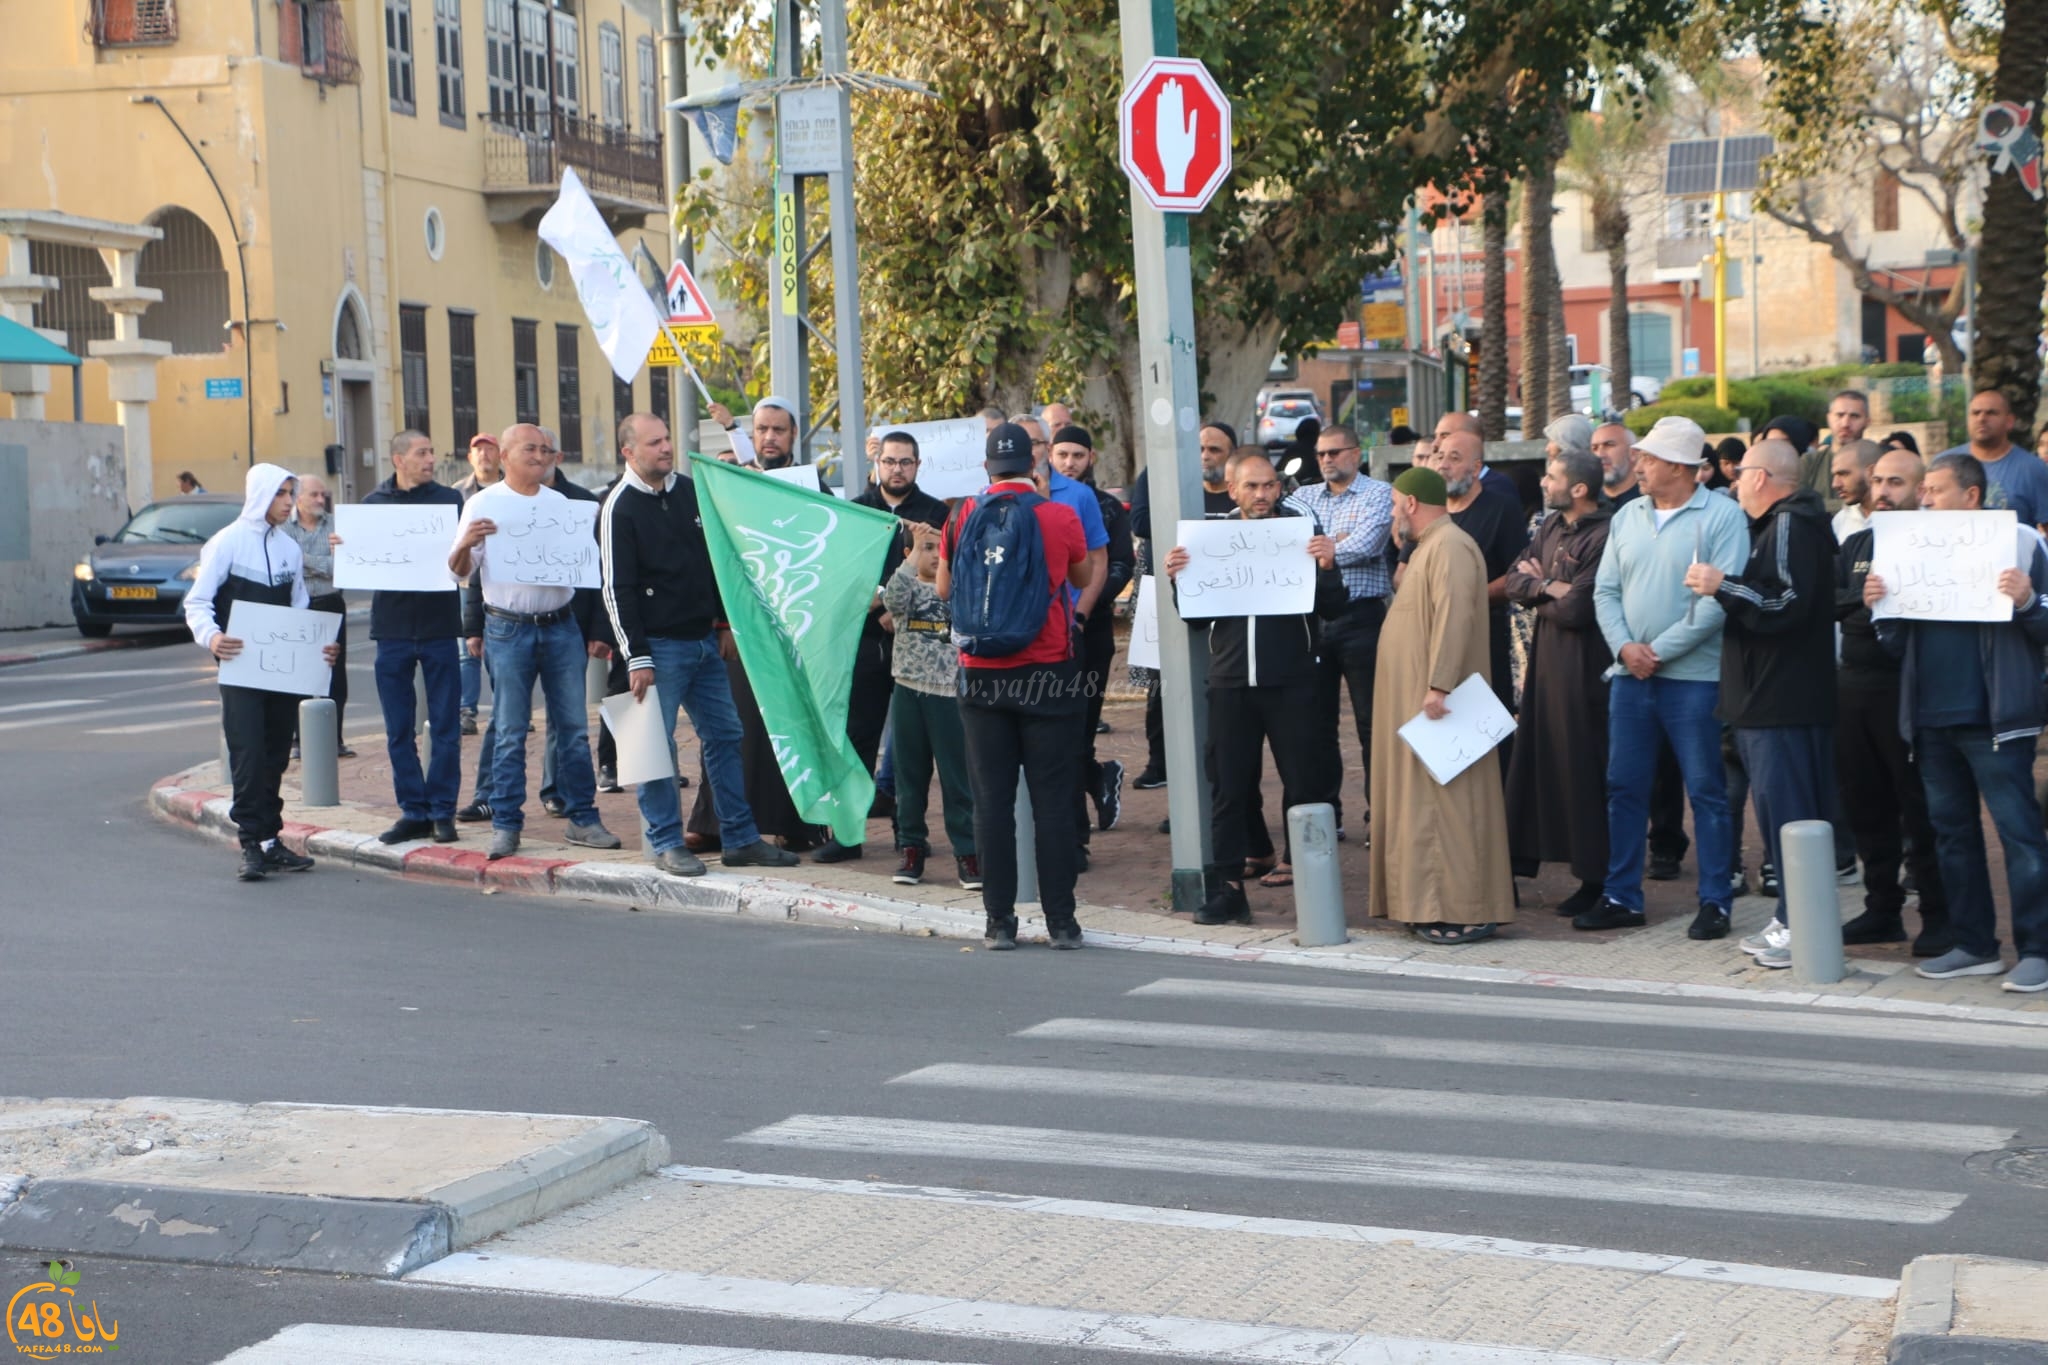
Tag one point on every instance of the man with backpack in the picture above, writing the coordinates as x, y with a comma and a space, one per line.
1007, 558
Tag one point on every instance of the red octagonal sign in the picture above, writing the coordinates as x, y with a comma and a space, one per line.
1174, 127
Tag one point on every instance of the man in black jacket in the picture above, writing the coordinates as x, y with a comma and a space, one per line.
1263, 682
1777, 657
662, 603
1073, 454
417, 630
894, 491
1875, 776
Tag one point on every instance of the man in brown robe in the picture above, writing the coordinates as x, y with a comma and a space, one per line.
1440, 852
1557, 775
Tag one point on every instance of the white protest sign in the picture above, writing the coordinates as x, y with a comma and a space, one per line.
802, 475
644, 753
949, 455
543, 542
1145, 625
1943, 566
1475, 724
394, 548
1246, 568
281, 648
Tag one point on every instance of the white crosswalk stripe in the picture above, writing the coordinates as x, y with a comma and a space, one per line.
196, 711
334, 1344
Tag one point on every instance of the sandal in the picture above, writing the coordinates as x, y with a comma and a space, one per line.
1281, 875
1255, 868
1454, 933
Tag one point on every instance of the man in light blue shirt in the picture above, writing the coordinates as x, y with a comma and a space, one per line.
1667, 671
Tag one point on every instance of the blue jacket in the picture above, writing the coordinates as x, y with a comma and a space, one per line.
2011, 652
1640, 595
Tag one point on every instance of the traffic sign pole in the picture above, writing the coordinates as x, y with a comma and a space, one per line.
1169, 425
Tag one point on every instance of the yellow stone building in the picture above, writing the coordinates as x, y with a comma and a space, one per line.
348, 192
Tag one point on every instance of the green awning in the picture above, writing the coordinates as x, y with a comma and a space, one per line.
20, 346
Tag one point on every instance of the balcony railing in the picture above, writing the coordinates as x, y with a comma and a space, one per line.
313, 35
1683, 253
525, 153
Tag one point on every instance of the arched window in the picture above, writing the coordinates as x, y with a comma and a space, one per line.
71, 310
348, 333
185, 263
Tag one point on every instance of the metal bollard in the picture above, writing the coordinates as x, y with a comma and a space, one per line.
1318, 886
1027, 844
319, 769
1812, 904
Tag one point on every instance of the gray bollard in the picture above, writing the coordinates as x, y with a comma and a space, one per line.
1318, 886
319, 769
1812, 904
1027, 844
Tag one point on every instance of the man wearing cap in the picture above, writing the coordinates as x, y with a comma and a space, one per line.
1666, 674
774, 440
1440, 850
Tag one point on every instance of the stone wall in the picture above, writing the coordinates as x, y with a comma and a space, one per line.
61, 483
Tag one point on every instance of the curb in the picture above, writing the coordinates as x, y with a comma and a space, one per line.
637, 886
1924, 1322
73, 651
383, 1238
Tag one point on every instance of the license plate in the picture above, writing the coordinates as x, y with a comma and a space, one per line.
144, 593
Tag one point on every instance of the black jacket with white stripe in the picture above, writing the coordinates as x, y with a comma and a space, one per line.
657, 570
1778, 649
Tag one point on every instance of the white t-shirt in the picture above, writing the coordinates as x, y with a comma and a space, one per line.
500, 502
1849, 521
1665, 514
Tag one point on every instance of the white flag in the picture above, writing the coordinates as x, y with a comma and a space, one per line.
613, 298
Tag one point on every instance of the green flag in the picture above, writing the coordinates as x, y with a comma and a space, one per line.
797, 571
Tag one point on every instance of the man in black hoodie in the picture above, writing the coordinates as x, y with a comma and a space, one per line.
1263, 685
1778, 654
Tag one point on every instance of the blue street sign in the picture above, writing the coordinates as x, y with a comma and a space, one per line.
1689, 361
223, 388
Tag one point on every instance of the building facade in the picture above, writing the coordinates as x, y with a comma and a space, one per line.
348, 192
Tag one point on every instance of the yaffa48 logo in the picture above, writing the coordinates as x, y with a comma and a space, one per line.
46, 1320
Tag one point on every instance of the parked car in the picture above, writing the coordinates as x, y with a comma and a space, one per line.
1643, 390
138, 576
1283, 410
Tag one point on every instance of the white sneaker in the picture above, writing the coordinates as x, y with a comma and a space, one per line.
1777, 959
1776, 934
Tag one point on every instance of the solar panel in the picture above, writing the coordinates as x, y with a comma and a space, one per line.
1742, 160
1689, 167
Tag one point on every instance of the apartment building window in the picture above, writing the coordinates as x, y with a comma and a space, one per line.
398, 72
134, 23
533, 65
501, 58
412, 366
448, 60
569, 390
69, 308
611, 75
657, 400
568, 64
650, 84
622, 400
1884, 203
526, 370
313, 35
462, 376
185, 263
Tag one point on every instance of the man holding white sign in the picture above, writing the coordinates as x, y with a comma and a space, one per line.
1970, 704
1264, 679
252, 560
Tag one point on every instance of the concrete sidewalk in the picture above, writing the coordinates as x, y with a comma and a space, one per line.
64, 642
350, 1189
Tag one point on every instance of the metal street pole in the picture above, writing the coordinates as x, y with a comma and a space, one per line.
853, 450
1720, 299
675, 164
1169, 425
789, 352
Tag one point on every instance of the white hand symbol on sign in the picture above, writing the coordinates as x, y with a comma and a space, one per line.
1175, 129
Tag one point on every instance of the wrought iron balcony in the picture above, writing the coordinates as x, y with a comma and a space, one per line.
526, 152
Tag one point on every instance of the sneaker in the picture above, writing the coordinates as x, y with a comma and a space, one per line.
592, 835
555, 806
469, 722
1608, 915
1933, 940
444, 832
1000, 934
1663, 869
1738, 885
405, 831
1848, 874
504, 843
1064, 934
970, 872
1874, 927
254, 867
1776, 934
1166, 825
608, 780
344, 752
2030, 975
1109, 801
680, 862
760, 853
1150, 780
1102, 728
476, 812
836, 852
1710, 923
1767, 881
278, 858
1960, 962
1227, 905
1579, 901
910, 871
1777, 959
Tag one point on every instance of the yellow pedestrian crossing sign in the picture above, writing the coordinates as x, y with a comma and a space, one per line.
688, 312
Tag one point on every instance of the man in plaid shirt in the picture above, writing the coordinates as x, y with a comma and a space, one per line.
1356, 511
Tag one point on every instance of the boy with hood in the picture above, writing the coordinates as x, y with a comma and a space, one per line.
253, 560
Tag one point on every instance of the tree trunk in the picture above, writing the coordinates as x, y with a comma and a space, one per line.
2013, 250
1493, 318
1610, 231
1537, 192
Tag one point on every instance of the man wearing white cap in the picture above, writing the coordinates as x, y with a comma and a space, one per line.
774, 438
1666, 676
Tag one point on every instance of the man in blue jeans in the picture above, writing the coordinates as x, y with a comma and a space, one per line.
663, 602
530, 631
1667, 670
1970, 706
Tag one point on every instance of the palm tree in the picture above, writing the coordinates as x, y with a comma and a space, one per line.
1611, 151
2010, 252
1493, 316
